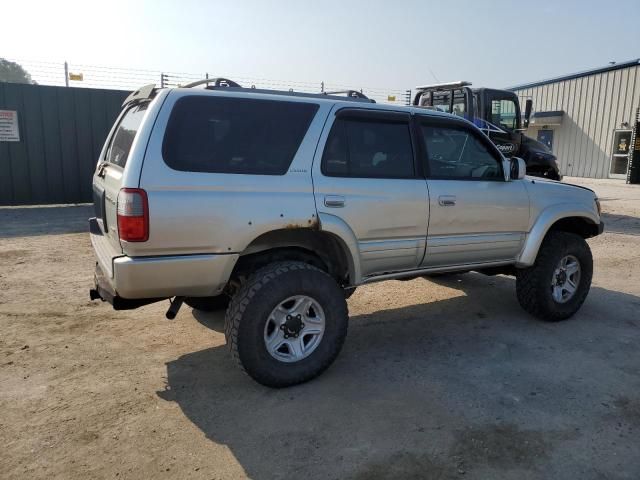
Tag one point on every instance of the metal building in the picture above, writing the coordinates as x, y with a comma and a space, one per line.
586, 118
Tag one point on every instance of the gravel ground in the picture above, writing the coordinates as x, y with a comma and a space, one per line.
443, 378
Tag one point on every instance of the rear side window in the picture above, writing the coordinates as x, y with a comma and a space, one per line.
120, 145
368, 149
235, 135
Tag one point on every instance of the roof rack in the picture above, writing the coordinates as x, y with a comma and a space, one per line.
148, 91
220, 82
217, 82
349, 93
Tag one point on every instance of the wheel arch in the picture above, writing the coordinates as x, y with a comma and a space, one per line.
573, 219
319, 248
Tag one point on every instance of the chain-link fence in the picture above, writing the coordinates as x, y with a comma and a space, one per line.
96, 76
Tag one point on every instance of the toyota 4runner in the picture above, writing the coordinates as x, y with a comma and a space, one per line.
277, 205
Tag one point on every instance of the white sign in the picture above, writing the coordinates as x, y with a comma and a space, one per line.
9, 131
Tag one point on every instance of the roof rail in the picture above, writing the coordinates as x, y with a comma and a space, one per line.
217, 82
350, 93
220, 82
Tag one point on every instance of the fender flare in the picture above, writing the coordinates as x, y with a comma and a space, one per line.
545, 220
336, 226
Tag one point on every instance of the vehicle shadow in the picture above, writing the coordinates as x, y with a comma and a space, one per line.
624, 224
44, 220
467, 384
212, 320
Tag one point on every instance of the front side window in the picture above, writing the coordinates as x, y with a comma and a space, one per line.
503, 114
368, 148
120, 145
454, 152
235, 135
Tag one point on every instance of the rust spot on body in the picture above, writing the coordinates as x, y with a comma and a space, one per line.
311, 223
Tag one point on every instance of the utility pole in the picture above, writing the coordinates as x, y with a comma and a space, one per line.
163, 80
322, 87
66, 74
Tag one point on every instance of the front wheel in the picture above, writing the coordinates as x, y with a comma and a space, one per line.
556, 286
287, 323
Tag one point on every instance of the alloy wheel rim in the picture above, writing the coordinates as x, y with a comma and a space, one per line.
565, 279
294, 328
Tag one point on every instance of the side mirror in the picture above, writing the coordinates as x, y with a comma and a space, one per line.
518, 168
528, 106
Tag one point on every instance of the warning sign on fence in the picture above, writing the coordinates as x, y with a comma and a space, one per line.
9, 130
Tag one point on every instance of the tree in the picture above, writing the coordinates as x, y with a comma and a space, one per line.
13, 72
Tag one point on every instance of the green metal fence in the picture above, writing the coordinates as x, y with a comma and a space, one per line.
61, 132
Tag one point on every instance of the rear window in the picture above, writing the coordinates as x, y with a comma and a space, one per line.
235, 135
120, 145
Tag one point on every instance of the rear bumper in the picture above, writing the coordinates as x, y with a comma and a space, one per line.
105, 292
141, 278
170, 276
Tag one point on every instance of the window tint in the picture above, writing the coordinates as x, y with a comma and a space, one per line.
455, 152
503, 113
235, 135
118, 150
368, 149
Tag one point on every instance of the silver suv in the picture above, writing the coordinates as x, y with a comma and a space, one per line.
277, 205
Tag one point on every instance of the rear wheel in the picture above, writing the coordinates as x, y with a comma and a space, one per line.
556, 286
287, 323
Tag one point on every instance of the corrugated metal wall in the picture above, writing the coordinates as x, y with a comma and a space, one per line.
61, 133
593, 106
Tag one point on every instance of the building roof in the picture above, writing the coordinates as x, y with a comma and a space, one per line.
584, 73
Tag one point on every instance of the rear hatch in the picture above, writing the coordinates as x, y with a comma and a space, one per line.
108, 178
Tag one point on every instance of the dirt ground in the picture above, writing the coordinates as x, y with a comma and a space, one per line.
438, 379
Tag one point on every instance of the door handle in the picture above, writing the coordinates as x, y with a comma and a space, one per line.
447, 200
334, 201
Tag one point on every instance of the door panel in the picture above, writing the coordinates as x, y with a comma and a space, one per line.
487, 222
475, 216
387, 216
364, 174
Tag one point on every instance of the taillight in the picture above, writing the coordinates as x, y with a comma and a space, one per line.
133, 215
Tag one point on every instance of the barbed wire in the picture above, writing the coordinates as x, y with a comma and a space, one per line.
47, 72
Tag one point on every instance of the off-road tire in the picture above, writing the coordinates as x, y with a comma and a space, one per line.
348, 292
208, 304
533, 284
253, 303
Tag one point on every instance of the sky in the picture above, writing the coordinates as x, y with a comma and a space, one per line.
387, 44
